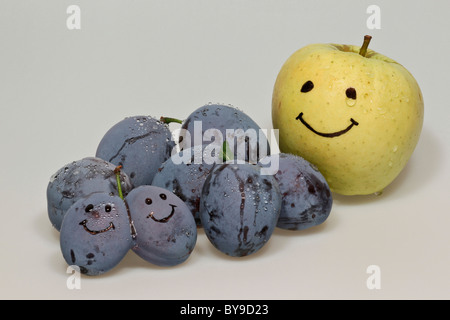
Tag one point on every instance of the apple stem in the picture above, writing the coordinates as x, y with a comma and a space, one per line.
119, 186
363, 50
170, 120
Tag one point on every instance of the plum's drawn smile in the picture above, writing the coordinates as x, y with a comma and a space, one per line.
165, 219
327, 135
94, 232
149, 201
90, 209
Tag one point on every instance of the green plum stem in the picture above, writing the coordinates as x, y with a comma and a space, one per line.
170, 120
119, 186
227, 154
363, 50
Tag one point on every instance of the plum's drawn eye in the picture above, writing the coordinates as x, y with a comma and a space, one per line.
108, 208
148, 201
89, 208
307, 86
163, 196
351, 93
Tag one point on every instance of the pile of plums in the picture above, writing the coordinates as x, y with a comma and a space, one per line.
149, 189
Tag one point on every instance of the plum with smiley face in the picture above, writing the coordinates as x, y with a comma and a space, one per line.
166, 231
354, 113
95, 233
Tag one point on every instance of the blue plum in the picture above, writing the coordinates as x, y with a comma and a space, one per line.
307, 199
212, 121
185, 173
140, 144
239, 208
166, 232
95, 233
79, 179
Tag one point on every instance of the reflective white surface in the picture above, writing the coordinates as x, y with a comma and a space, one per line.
61, 89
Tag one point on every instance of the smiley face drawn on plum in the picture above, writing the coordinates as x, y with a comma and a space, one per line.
96, 213
152, 214
350, 93
95, 233
166, 230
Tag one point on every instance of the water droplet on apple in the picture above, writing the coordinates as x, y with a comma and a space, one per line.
381, 110
350, 102
395, 148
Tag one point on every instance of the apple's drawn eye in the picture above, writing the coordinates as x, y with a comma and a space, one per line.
351, 93
307, 86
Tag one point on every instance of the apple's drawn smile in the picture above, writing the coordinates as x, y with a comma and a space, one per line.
94, 232
327, 135
351, 95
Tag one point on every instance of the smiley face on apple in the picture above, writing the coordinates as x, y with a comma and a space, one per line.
354, 113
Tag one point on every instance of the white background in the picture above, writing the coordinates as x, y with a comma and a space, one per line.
60, 90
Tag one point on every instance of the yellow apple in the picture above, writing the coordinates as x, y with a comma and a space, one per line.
354, 113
